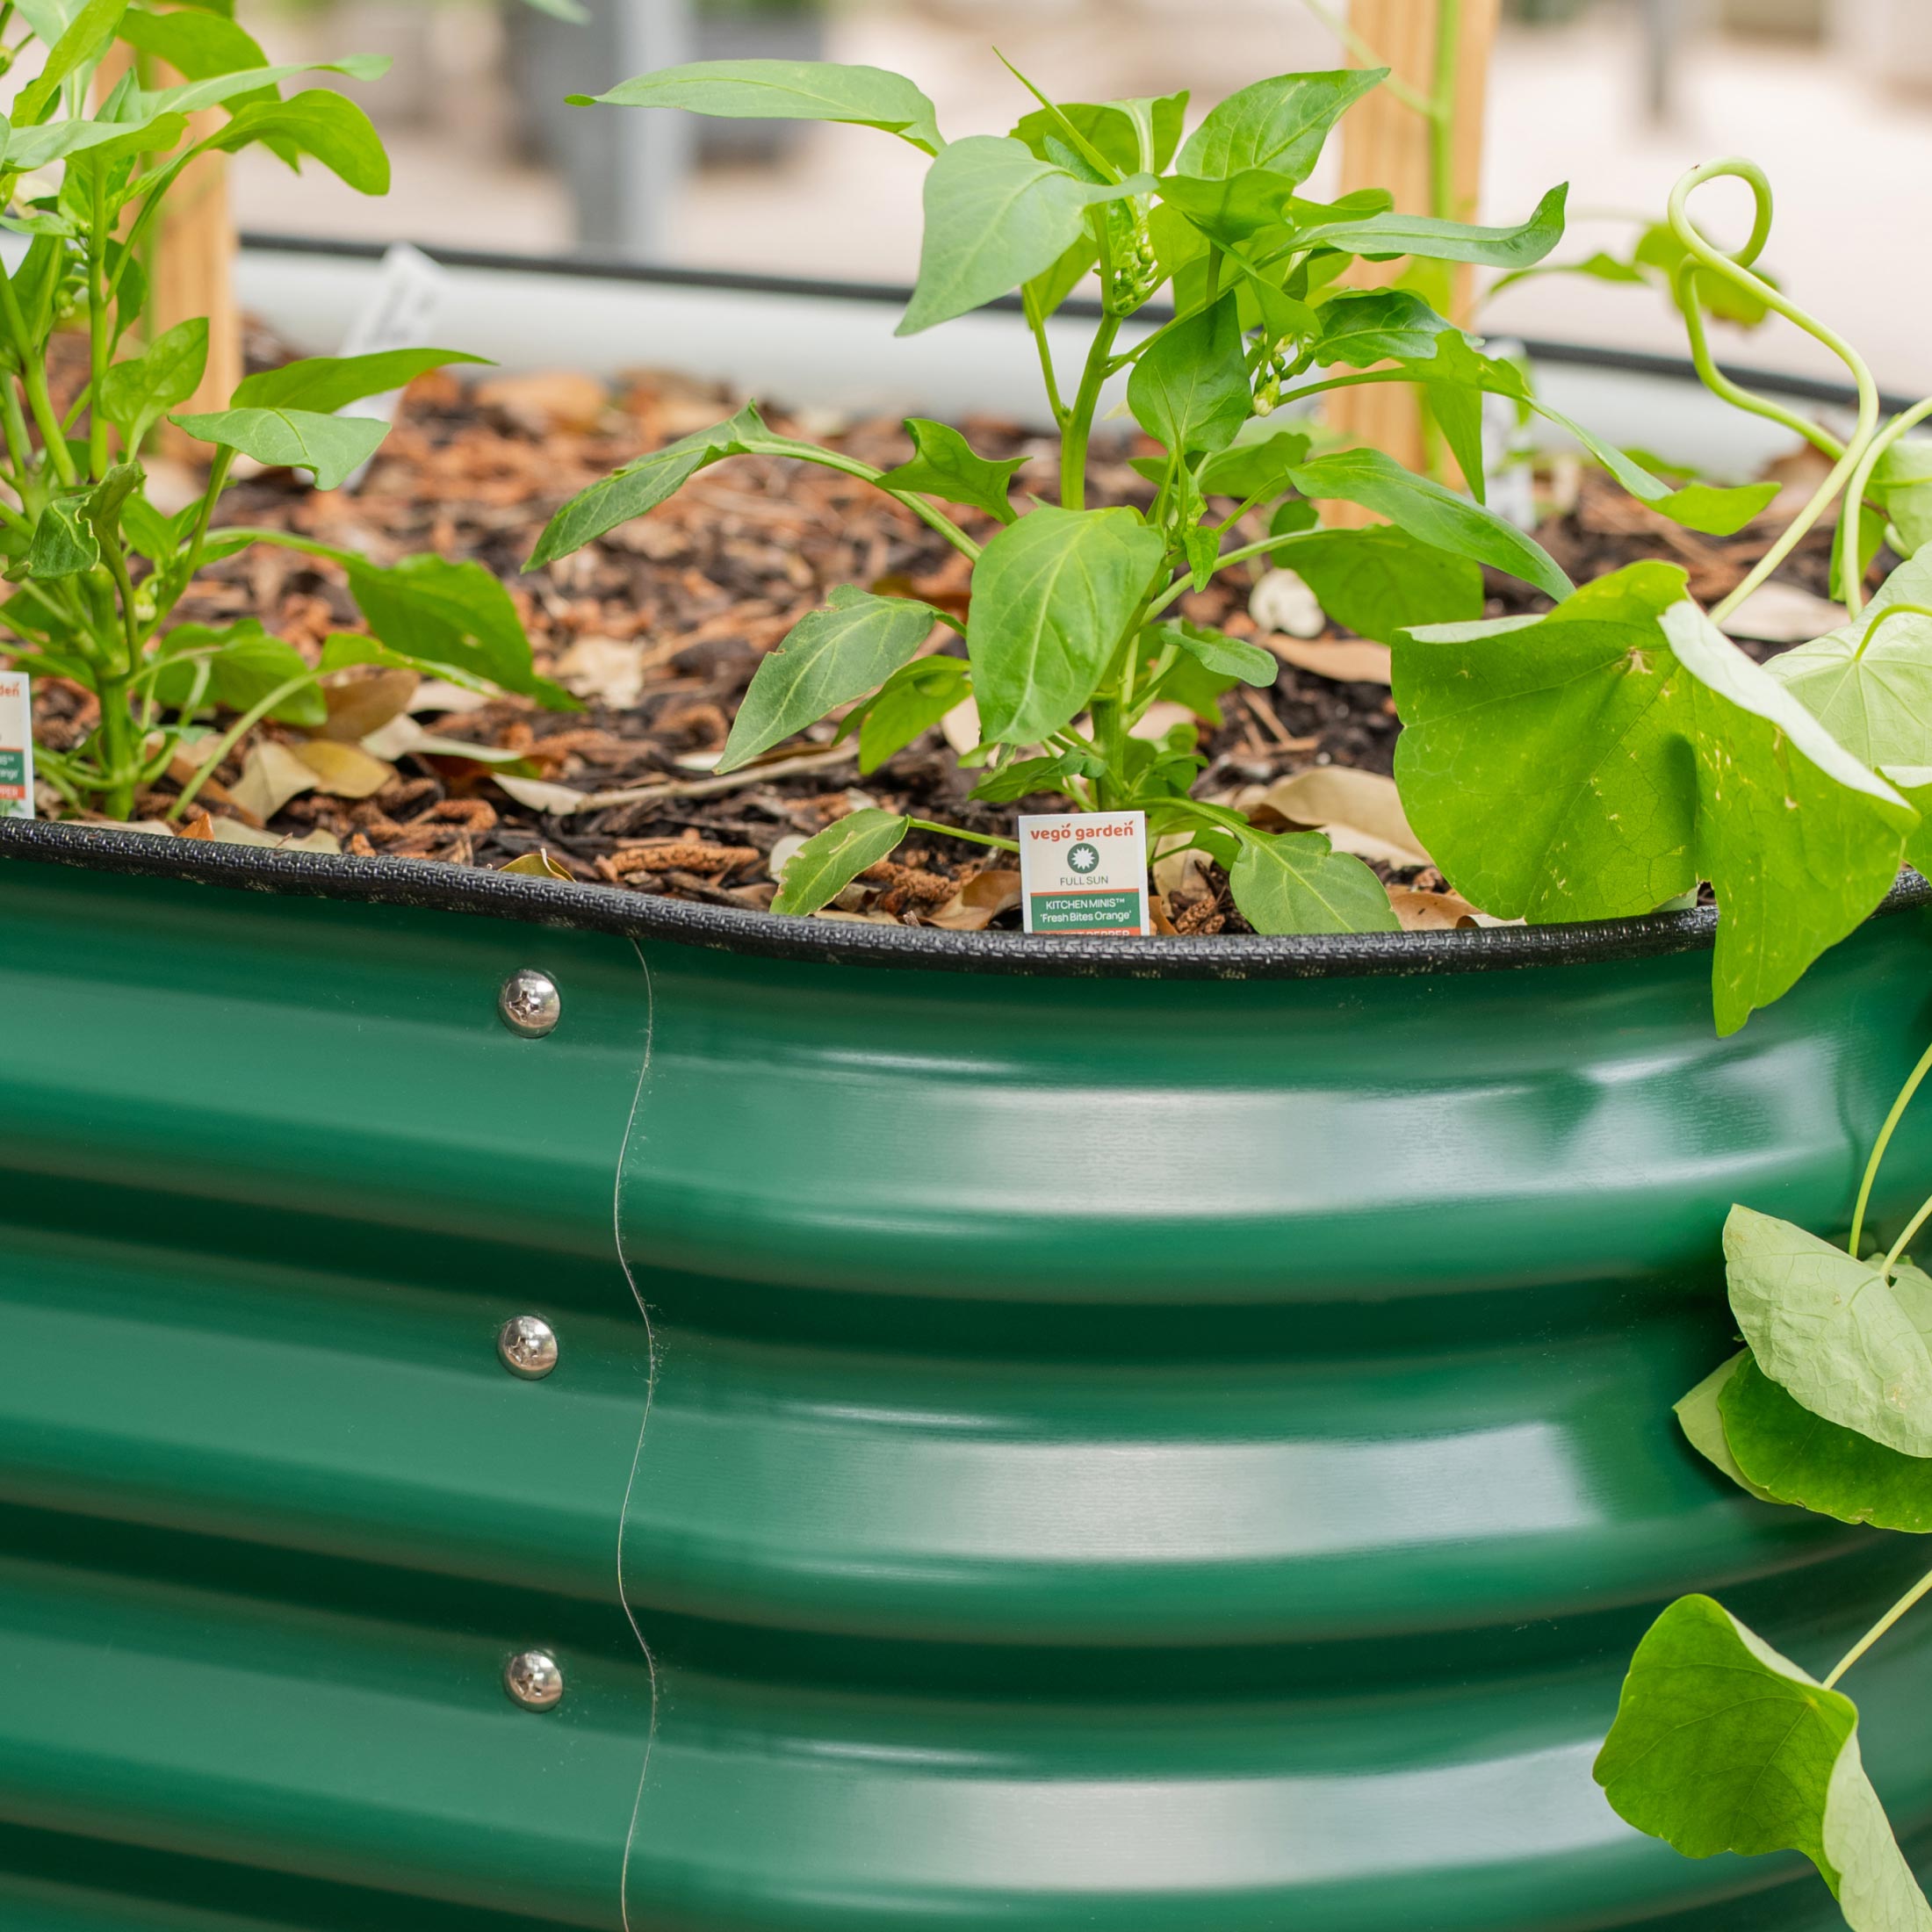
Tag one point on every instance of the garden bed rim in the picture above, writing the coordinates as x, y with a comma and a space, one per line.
437, 886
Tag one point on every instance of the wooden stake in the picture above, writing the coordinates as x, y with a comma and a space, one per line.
1387, 144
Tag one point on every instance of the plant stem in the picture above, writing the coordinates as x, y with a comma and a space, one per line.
96, 330
1879, 1629
1897, 1249
1736, 269
1850, 548
233, 736
831, 459
1885, 614
117, 753
1037, 323
1442, 109
1880, 1145
1363, 52
959, 832
1080, 428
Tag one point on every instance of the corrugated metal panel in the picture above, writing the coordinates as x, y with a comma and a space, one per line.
1129, 1456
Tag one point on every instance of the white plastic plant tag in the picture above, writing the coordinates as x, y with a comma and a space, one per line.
401, 313
15, 745
1085, 872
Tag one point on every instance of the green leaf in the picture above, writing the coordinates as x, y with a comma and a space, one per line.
643, 484
1785, 1453
192, 95
1384, 236
83, 40
1903, 482
32, 147
912, 700
863, 97
319, 122
1226, 656
945, 464
1279, 124
1021, 777
1233, 208
1256, 468
1875, 702
831, 657
1190, 391
1599, 761
1363, 326
1701, 1418
137, 393
1295, 881
1382, 581
245, 664
1133, 136
63, 540
1720, 1744
328, 383
1053, 595
1436, 516
196, 43
329, 447
995, 216
1832, 1330
456, 615
828, 861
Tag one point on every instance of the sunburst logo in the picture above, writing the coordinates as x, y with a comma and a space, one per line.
1084, 858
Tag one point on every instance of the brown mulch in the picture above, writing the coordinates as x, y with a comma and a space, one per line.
684, 602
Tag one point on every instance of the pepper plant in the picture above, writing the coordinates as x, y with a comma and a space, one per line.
96, 570
1073, 633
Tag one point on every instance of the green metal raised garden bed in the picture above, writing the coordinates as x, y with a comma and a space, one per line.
1146, 1437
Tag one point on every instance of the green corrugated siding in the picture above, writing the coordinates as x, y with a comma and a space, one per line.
1137, 1456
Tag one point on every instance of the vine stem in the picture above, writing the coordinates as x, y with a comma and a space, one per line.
1850, 547
1880, 1145
1879, 1629
1898, 1247
1735, 269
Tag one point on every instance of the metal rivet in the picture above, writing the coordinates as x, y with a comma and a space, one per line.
527, 1346
533, 1680
529, 1003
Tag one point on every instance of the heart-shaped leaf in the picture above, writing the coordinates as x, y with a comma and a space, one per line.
1295, 881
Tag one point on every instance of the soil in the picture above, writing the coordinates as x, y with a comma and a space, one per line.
660, 626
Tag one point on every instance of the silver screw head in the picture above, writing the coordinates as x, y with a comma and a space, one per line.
526, 1344
533, 1680
529, 1003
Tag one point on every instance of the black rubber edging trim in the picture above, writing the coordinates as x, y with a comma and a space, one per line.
1632, 362
440, 887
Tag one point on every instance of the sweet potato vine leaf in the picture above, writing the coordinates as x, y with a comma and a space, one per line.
1786, 1454
1597, 762
1295, 881
1720, 1744
1849, 1343
1700, 1416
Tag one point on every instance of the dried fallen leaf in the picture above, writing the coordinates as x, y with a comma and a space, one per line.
608, 669
981, 900
1282, 601
233, 831
361, 704
1159, 719
1778, 613
200, 826
1360, 811
857, 918
547, 399
1348, 660
537, 865
439, 695
1431, 911
781, 853
540, 794
402, 736
271, 776
960, 726
343, 771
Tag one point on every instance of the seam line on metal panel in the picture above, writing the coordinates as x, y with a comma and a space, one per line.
649, 1390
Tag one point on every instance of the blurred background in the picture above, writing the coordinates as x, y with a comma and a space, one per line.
1617, 96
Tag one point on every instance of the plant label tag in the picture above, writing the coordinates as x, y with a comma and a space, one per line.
15, 745
400, 313
1085, 872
